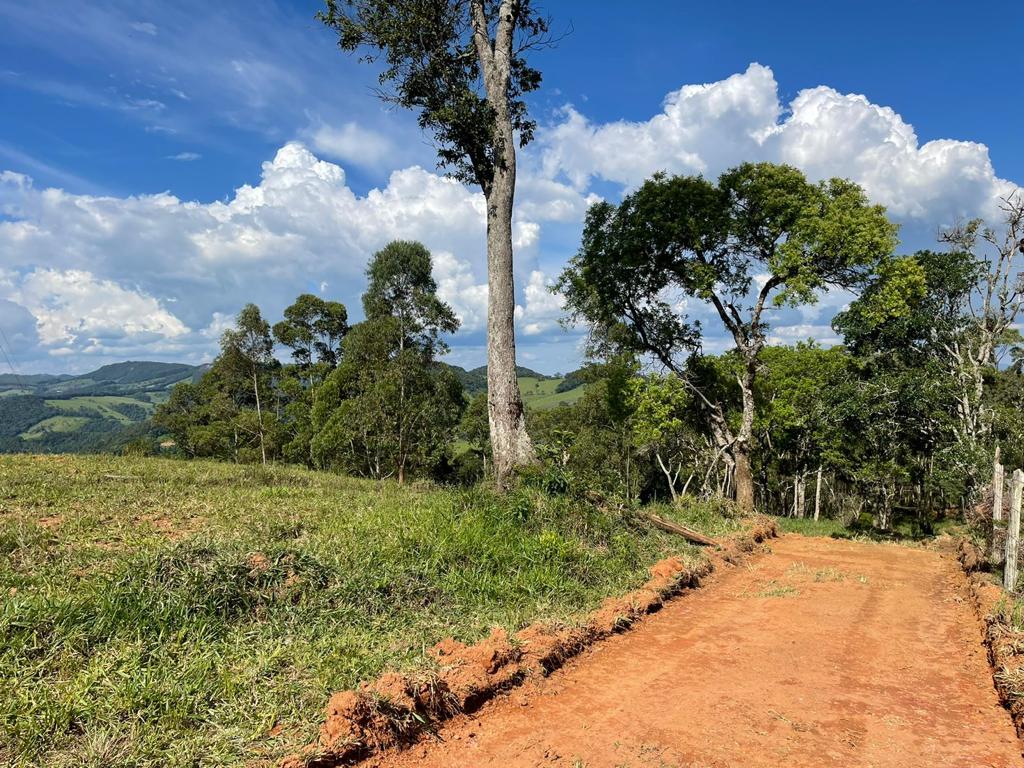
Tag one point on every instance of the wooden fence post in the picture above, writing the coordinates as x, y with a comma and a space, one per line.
1013, 531
998, 480
817, 495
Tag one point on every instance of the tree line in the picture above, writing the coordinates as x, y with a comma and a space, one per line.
370, 399
902, 417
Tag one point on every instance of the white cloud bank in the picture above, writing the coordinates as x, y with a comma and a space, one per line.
152, 274
124, 274
708, 128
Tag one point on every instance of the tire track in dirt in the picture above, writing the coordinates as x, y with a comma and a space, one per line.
824, 653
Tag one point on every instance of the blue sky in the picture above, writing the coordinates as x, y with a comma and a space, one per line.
164, 163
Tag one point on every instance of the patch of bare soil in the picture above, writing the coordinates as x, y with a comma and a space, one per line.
826, 653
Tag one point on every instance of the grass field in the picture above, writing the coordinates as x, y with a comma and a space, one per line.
54, 424
166, 613
102, 406
14, 392
540, 394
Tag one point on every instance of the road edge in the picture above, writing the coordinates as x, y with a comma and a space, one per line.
1005, 646
396, 709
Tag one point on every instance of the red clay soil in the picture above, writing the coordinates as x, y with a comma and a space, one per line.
825, 653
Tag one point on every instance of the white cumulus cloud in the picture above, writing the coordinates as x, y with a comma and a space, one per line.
708, 128
102, 274
75, 311
351, 143
120, 271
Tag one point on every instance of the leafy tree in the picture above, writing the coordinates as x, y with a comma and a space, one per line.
901, 404
215, 417
389, 408
591, 441
659, 405
762, 236
247, 350
402, 288
913, 318
797, 418
460, 64
313, 328
475, 430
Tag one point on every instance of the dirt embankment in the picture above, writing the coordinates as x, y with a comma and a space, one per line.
1005, 645
396, 709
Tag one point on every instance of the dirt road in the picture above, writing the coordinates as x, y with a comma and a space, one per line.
824, 653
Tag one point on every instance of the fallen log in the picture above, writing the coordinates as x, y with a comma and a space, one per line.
680, 530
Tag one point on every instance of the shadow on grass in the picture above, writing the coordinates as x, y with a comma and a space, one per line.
903, 532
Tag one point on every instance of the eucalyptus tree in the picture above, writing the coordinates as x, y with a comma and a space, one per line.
461, 65
762, 237
248, 350
313, 329
389, 407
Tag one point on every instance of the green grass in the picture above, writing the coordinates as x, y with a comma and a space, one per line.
15, 392
102, 406
165, 613
904, 531
54, 424
540, 394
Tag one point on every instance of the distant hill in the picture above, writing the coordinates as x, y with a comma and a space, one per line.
94, 411
16, 380
127, 378
539, 390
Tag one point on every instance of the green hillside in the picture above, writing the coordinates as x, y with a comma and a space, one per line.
170, 613
96, 411
539, 390
541, 394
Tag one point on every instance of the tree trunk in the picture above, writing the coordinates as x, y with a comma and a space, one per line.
668, 477
687, 533
259, 415
744, 477
510, 443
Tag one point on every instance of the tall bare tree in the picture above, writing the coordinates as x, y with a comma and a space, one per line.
991, 310
461, 65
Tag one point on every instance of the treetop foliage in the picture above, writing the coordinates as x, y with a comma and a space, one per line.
762, 233
313, 328
429, 63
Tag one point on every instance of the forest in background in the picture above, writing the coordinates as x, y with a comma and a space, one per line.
898, 422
